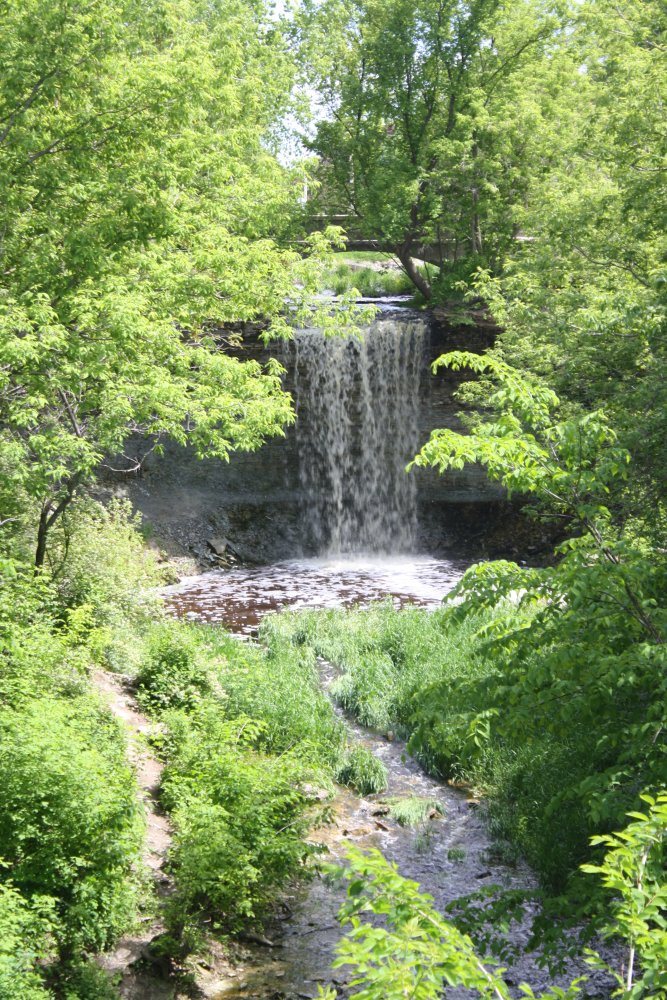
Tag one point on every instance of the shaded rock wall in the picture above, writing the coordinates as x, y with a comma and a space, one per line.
256, 500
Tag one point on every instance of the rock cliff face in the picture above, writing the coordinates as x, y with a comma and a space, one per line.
336, 481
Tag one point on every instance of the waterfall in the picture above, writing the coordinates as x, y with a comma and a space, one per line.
357, 403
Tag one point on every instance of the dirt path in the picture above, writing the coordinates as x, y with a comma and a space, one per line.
142, 977
141, 982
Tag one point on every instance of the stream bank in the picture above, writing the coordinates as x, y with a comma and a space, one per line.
449, 855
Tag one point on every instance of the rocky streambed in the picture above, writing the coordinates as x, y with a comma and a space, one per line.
449, 853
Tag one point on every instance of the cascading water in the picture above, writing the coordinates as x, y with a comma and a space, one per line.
357, 402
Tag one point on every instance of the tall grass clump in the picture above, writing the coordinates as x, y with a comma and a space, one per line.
386, 658
361, 770
369, 282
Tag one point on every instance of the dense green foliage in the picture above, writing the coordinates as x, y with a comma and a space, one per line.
239, 788
584, 303
429, 133
251, 745
581, 652
240, 815
71, 826
143, 208
250, 742
24, 939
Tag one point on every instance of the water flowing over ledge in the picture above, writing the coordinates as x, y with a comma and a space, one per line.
357, 403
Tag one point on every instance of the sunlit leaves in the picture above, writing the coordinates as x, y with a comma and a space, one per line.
141, 206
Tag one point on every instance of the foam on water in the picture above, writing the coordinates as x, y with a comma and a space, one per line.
240, 598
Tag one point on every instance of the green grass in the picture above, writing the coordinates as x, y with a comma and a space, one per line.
456, 854
361, 770
414, 810
364, 256
368, 281
386, 658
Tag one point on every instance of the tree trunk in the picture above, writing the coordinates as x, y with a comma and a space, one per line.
413, 273
42, 533
50, 514
476, 229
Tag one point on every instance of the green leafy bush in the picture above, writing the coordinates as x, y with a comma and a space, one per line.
70, 825
84, 980
634, 872
25, 929
102, 562
239, 815
416, 952
174, 673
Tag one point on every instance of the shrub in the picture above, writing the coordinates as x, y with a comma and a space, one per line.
105, 562
25, 928
532, 789
174, 673
101, 566
69, 820
84, 980
239, 815
368, 281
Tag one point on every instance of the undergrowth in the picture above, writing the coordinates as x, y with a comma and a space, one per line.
430, 677
250, 742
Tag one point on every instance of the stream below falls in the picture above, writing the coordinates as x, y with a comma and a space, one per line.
448, 856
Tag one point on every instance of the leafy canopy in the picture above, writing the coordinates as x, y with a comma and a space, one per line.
430, 111
141, 202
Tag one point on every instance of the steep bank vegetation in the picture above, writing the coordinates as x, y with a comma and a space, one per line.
251, 747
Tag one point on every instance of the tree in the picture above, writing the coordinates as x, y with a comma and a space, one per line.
398, 945
581, 646
139, 189
430, 109
584, 304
